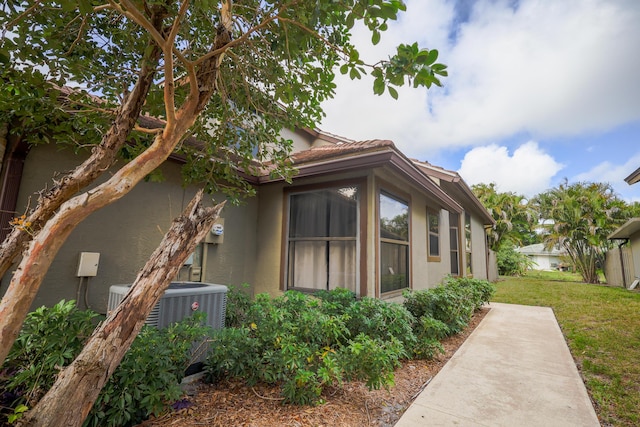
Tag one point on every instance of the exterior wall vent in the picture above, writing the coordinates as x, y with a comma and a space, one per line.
180, 300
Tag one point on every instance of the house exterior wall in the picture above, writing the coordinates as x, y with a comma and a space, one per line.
126, 232
272, 225
545, 262
269, 240
478, 248
634, 241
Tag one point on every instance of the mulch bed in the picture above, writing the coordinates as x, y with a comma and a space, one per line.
233, 403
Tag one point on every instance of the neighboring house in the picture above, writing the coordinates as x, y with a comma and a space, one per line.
543, 258
359, 215
623, 263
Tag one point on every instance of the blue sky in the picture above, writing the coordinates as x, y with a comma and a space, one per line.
538, 91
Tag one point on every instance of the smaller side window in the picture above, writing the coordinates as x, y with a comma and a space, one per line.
433, 238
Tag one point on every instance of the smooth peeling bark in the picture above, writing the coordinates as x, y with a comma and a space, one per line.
102, 157
80, 383
26, 280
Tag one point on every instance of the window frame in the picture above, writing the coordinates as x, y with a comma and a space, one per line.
432, 213
454, 227
360, 239
406, 200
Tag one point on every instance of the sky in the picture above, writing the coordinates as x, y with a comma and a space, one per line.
538, 91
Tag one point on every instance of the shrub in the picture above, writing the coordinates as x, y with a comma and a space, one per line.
148, 379
452, 303
381, 320
335, 301
145, 382
238, 304
372, 360
512, 263
51, 337
307, 343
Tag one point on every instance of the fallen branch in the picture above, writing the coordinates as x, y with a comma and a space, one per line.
266, 397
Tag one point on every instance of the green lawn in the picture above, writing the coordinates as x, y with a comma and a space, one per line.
602, 327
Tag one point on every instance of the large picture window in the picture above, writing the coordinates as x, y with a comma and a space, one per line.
322, 239
394, 243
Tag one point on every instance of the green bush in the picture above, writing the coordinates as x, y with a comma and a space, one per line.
336, 301
51, 337
238, 304
512, 263
145, 382
452, 303
148, 379
381, 320
372, 360
306, 343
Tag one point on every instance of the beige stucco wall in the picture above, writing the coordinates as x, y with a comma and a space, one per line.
269, 240
424, 274
126, 232
478, 249
635, 252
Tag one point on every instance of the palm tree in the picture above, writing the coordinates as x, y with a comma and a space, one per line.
579, 217
515, 219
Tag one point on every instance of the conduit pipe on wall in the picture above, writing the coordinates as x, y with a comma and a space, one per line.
624, 276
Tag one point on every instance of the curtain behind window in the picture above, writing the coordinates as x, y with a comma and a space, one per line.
323, 229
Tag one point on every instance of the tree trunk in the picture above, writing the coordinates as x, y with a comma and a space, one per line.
70, 399
102, 157
26, 280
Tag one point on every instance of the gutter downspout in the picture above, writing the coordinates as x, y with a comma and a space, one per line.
624, 279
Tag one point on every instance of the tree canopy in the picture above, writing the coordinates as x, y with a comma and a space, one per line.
578, 217
149, 78
516, 220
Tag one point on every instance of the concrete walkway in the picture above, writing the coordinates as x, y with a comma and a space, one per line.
515, 369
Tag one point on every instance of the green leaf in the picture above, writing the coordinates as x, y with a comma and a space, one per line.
378, 86
393, 92
433, 56
375, 37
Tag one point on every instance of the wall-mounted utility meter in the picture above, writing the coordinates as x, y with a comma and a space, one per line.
216, 235
217, 229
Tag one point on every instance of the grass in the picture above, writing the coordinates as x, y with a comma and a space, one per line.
602, 326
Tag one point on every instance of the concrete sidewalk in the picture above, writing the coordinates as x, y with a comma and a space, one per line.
515, 369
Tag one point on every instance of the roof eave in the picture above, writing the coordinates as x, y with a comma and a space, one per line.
634, 177
370, 159
626, 230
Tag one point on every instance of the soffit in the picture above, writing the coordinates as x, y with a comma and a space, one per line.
627, 229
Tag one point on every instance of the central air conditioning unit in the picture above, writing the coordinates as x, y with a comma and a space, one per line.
180, 300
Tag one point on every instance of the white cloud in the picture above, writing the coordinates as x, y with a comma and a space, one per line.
528, 171
547, 68
613, 174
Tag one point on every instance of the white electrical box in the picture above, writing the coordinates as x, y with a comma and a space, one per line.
88, 264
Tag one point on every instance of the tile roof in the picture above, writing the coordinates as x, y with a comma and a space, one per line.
340, 150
